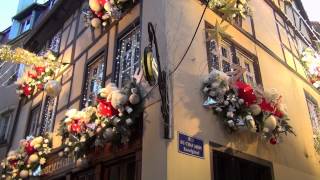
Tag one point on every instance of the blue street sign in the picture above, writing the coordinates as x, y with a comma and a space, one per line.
190, 145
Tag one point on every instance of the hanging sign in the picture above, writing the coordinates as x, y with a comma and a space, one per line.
190, 145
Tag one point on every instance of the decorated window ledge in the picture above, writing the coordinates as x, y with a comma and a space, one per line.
310, 60
34, 80
111, 121
241, 107
101, 13
28, 159
230, 9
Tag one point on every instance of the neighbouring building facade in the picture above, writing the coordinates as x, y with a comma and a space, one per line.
268, 44
29, 13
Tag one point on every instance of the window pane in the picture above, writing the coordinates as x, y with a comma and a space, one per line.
128, 56
94, 81
48, 115
33, 121
4, 121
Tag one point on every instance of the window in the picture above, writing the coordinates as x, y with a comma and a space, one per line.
25, 25
230, 55
313, 112
94, 80
84, 175
228, 167
33, 123
48, 115
128, 56
4, 121
121, 170
247, 63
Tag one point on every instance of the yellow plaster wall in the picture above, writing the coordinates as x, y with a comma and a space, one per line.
294, 158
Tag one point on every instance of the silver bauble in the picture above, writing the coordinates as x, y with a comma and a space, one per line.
52, 88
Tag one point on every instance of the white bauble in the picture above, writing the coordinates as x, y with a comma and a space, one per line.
24, 174
95, 5
107, 6
52, 88
33, 158
255, 109
96, 23
269, 124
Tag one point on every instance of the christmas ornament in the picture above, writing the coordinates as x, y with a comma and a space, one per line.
29, 149
75, 127
106, 109
273, 141
52, 88
95, 5
33, 158
24, 174
269, 124
255, 109
134, 97
209, 103
96, 23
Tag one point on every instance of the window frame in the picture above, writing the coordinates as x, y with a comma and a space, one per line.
102, 53
28, 128
235, 50
7, 133
53, 114
310, 98
135, 25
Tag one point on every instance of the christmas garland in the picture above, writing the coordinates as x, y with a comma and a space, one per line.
28, 159
231, 8
103, 12
22, 56
110, 121
242, 107
34, 80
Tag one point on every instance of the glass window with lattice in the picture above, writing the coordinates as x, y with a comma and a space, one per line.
4, 121
94, 80
48, 115
228, 55
313, 112
128, 56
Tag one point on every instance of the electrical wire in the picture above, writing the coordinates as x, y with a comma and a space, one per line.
193, 37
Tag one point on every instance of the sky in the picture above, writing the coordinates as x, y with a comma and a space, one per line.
8, 9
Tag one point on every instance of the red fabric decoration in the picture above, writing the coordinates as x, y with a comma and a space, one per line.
99, 14
40, 70
265, 106
106, 109
245, 92
273, 141
29, 149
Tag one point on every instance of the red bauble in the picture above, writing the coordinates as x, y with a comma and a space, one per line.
40, 86
32, 75
245, 92
106, 109
102, 2
40, 70
75, 127
26, 90
273, 141
29, 149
